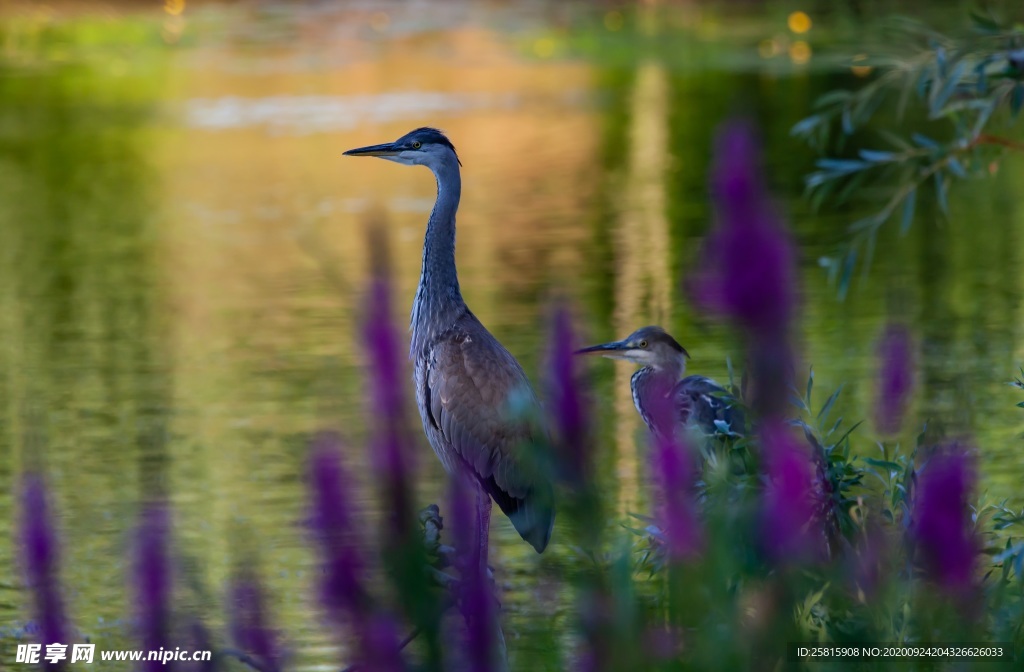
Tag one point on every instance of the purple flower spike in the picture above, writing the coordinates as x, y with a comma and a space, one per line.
153, 581
678, 516
567, 402
381, 645
895, 378
946, 545
675, 471
382, 341
747, 274
341, 590
40, 558
390, 452
475, 600
249, 623
791, 525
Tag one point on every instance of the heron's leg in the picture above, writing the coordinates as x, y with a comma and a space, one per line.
483, 508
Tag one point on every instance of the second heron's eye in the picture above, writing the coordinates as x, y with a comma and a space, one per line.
415, 144
643, 344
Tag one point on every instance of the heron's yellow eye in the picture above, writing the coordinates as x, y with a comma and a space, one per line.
415, 144
643, 344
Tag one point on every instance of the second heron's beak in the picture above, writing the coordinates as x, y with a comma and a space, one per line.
614, 349
387, 149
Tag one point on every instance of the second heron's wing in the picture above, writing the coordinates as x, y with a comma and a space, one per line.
702, 401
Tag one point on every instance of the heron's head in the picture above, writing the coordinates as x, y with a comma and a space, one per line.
649, 346
422, 147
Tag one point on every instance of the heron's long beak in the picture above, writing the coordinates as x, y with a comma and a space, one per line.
387, 149
607, 349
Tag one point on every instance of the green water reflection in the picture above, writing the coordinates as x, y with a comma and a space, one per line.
182, 263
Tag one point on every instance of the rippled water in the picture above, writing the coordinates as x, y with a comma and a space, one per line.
183, 257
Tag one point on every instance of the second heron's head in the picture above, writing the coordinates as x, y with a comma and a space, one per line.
421, 147
648, 346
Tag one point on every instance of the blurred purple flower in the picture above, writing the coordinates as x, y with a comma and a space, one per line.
341, 589
153, 583
566, 401
40, 558
895, 378
381, 650
596, 609
675, 471
199, 640
475, 599
747, 273
791, 525
390, 445
249, 626
946, 545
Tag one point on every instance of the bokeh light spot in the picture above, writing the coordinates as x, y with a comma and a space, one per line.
800, 52
861, 70
799, 22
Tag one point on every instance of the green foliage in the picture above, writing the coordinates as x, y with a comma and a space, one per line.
950, 97
731, 602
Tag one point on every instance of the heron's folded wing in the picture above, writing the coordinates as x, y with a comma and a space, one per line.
702, 401
474, 386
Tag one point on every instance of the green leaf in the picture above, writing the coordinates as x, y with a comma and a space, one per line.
908, 211
818, 178
847, 121
876, 156
957, 168
948, 88
1017, 100
983, 23
823, 413
806, 126
832, 98
810, 386
984, 116
883, 464
849, 431
940, 192
844, 280
924, 141
842, 166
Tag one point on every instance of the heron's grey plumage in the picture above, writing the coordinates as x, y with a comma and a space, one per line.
694, 399
467, 383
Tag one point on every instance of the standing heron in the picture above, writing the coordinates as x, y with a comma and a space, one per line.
467, 383
694, 399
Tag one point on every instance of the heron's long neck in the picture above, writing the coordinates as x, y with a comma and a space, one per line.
438, 299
